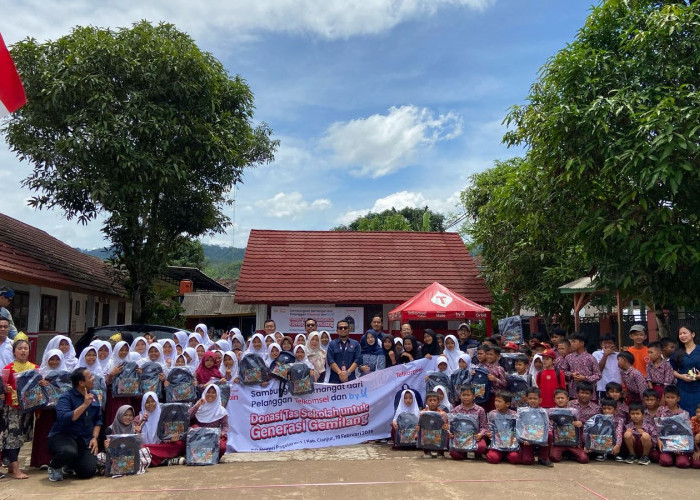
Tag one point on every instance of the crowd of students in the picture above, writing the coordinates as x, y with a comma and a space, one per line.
607, 381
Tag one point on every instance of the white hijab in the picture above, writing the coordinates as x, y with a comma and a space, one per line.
317, 356
183, 366
161, 359
191, 336
69, 358
403, 408
533, 371
136, 341
104, 363
171, 343
262, 352
445, 401
180, 338
211, 412
234, 368
224, 345
204, 335
305, 360
95, 368
467, 359
48, 354
324, 347
149, 430
114, 359
194, 361
300, 336
238, 336
452, 355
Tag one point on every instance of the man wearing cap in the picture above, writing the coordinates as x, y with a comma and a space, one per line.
6, 295
464, 332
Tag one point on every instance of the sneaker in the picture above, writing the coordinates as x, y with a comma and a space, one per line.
631, 459
181, 461
618, 458
433, 454
600, 458
2, 475
546, 463
55, 474
67, 471
644, 461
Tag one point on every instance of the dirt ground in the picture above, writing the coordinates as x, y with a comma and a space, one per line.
371, 471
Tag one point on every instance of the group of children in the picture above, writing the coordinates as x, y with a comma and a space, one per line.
564, 383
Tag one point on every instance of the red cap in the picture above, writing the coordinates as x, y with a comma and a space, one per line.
549, 353
510, 345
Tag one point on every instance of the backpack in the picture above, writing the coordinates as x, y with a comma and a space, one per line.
253, 370
30, 395
127, 383
149, 381
123, 455
507, 361
181, 386
431, 435
482, 385
436, 378
463, 428
406, 436
557, 374
503, 436
517, 385
416, 396
563, 431
99, 389
675, 434
599, 432
225, 393
458, 379
174, 421
279, 368
300, 379
532, 426
59, 382
374, 361
203, 446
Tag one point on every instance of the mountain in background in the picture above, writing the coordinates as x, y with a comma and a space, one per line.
221, 262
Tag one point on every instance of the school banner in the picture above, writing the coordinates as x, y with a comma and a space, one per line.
291, 319
333, 415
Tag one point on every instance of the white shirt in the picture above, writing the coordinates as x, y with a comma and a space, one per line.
6, 356
611, 372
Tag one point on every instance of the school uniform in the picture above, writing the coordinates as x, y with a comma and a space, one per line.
659, 376
556, 453
496, 456
634, 383
527, 451
477, 412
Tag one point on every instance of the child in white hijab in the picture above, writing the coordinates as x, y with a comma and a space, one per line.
64, 344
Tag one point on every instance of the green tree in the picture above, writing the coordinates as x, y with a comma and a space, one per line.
406, 219
525, 255
142, 126
613, 122
189, 253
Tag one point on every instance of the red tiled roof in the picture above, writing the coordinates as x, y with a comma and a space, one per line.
30, 255
347, 267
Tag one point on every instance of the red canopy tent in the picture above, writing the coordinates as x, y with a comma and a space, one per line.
438, 302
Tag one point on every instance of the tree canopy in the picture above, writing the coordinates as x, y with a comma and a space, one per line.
142, 126
612, 125
406, 219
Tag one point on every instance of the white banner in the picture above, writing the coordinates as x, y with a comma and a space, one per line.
291, 319
333, 415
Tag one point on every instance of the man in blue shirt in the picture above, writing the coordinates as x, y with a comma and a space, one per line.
464, 333
6, 295
73, 437
343, 355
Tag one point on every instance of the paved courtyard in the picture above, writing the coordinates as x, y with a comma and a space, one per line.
371, 471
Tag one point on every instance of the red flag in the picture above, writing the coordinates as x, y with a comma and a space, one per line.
12, 96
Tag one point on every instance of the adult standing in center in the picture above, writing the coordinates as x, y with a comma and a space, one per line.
686, 368
343, 355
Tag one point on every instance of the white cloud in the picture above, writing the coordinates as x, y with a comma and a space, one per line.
291, 205
404, 199
241, 19
382, 144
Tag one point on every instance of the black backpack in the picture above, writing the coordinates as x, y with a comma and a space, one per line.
181, 386
128, 382
557, 374
203, 446
253, 370
563, 431
503, 436
29, 393
416, 396
431, 435
532, 426
150, 382
406, 436
517, 386
300, 380
482, 385
459, 379
174, 420
59, 382
463, 429
100, 391
436, 378
599, 433
279, 368
675, 434
123, 455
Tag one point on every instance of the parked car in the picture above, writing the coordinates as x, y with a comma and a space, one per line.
129, 333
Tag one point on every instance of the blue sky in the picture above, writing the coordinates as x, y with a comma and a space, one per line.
377, 103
